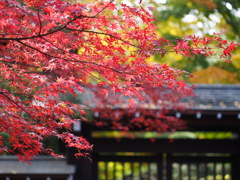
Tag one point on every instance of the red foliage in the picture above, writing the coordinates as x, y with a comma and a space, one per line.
38, 64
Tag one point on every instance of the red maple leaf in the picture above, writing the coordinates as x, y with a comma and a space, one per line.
54, 52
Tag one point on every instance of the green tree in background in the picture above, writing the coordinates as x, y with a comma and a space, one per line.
177, 19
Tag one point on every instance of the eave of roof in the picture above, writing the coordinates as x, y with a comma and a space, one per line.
39, 165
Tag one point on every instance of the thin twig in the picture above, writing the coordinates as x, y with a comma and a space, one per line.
70, 60
102, 33
60, 49
40, 23
3, 94
58, 29
45, 34
102, 9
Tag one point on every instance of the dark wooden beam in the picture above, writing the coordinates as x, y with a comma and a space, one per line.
165, 145
211, 122
201, 120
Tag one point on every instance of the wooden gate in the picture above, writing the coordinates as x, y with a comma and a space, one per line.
128, 167
164, 167
198, 167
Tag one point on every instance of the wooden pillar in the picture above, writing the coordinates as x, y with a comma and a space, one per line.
83, 169
83, 164
95, 166
169, 166
236, 162
160, 166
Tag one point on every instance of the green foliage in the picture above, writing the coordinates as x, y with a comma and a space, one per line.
225, 9
228, 14
178, 19
180, 10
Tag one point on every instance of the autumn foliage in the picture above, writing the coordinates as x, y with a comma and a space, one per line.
50, 48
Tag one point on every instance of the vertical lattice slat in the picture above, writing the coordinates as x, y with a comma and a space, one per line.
206, 170
132, 170
123, 170
140, 170
223, 171
198, 172
114, 170
149, 171
180, 171
214, 170
189, 171
106, 170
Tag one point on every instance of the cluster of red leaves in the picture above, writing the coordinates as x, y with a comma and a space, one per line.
38, 65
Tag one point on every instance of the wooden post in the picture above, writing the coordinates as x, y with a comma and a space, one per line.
169, 166
95, 166
83, 170
160, 166
236, 162
83, 164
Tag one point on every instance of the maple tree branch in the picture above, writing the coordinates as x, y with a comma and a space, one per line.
60, 49
3, 94
58, 29
45, 34
102, 9
16, 62
83, 62
102, 33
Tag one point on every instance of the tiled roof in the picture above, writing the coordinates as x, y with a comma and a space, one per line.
40, 165
225, 97
216, 96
